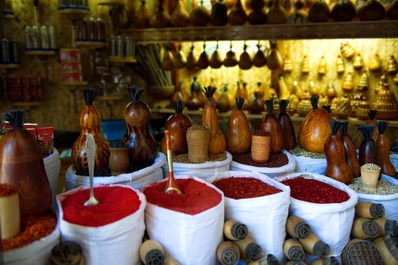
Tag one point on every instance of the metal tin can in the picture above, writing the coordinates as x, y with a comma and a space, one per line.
14, 57
5, 51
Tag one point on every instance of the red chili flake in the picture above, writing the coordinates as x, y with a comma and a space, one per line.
32, 229
312, 190
116, 203
196, 198
7, 190
241, 188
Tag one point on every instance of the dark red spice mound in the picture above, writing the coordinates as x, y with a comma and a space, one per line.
312, 190
275, 160
33, 228
197, 197
116, 203
242, 188
261, 133
7, 190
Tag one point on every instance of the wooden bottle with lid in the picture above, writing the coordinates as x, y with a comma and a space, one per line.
369, 210
297, 227
248, 248
314, 246
151, 252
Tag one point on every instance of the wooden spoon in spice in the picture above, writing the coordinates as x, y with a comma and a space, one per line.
91, 162
171, 185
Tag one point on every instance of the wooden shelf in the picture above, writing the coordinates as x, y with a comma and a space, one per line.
26, 104
117, 59
328, 30
40, 52
74, 11
295, 118
110, 98
111, 3
90, 43
82, 83
8, 65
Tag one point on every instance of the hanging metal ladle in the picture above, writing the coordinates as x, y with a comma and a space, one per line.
90, 143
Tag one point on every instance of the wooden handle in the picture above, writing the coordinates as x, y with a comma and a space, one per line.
314, 246
248, 248
151, 252
228, 253
234, 230
297, 227
364, 228
386, 226
369, 210
293, 250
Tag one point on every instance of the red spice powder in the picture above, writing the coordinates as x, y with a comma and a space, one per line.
32, 229
7, 190
196, 198
242, 188
116, 203
312, 190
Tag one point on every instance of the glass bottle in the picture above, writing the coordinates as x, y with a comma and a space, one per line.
119, 46
52, 38
112, 46
28, 38
44, 38
14, 57
35, 38
100, 28
92, 33
128, 47
5, 52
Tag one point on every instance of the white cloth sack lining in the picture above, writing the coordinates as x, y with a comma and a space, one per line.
189, 239
331, 222
390, 202
307, 164
269, 171
264, 216
52, 165
135, 179
202, 170
114, 243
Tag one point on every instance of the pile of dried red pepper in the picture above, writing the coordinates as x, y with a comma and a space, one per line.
312, 190
196, 198
116, 203
32, 228
242, 188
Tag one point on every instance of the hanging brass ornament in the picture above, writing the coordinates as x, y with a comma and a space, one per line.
358, 62
392, 67
363, 83
340, 65
322, 66
330, 91
382, 80
348, 83
375, 64
395, 80
305, 69
313, 89
287, 65
346, 50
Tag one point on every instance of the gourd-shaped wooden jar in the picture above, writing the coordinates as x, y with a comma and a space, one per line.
137, 117
177, 124
90, 122
21, 165
356, 99
363, 109
385, 104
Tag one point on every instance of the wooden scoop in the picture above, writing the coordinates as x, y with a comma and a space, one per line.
171, 184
